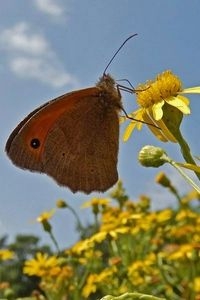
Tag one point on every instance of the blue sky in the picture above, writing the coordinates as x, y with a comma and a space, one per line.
50, 47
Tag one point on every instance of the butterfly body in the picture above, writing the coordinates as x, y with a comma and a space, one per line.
73, 138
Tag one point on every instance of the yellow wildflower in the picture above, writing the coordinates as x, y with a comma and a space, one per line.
66, 272
164, 215
122, 230
161, 102
42, 265
184, 251
182, 231
185, 214
6, 254
45, 216
141, 271
96, 201
81, 246
190, 196
115, 218
90, 287
61, 203
197, 284
95, 279
163, 180
44, 219
97, 204
90, 255
98, 237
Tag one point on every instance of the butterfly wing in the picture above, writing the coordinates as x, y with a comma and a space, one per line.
74, 139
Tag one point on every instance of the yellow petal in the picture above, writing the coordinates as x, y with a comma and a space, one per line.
46, 215
165, 131
180, 103
138, 115
192, 90
184, 99
162, 133
156, 131
157, 110
127, 133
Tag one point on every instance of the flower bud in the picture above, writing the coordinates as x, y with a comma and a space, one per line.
163, 180
61, 203
46, 226
150, 156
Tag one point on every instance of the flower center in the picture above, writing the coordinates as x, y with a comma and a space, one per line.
164, 86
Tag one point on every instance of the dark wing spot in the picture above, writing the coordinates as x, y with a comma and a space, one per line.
35, 143
92, 170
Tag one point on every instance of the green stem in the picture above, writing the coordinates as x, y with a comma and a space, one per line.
172, 118
54, 241
79, 224
96, 221
132, 296
185, 176
185, 149
83, 279
175, 193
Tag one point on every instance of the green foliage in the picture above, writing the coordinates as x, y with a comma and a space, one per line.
13, 283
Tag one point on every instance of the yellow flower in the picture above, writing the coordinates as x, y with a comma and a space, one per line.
115, 219
81, 246
44, 219
90, 255
98, 237
97, 204
161, 103
42, 265
96, 201
190, 196
61, 203
45, 216
197, 284
66, 272
90, 287
185, 214
164, 215
141, 271
115, 233
185, 250
6, 254
95, 279
163, 180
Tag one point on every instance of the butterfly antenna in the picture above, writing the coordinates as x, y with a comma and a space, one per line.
122, 45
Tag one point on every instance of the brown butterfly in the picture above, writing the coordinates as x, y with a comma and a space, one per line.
73, 138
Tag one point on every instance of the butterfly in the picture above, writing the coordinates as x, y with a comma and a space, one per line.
73, 138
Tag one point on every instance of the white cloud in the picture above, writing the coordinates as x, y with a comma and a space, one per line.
30, 56
20, 38
49, 7
41, 70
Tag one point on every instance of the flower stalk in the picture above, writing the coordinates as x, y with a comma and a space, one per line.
150, 156
132, 296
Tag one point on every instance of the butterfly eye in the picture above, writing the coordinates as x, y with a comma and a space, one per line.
35, 143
